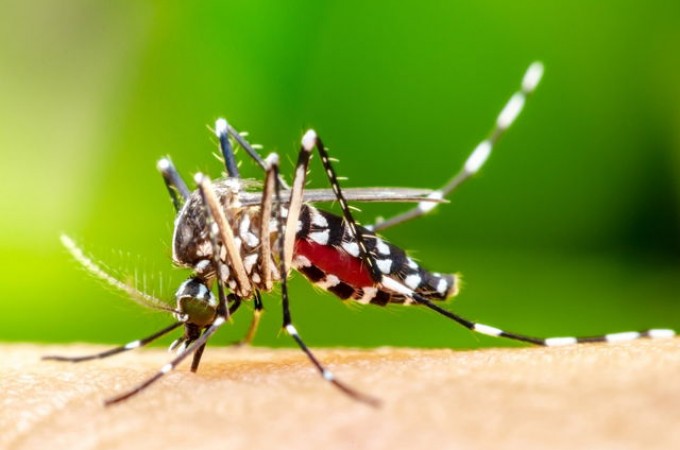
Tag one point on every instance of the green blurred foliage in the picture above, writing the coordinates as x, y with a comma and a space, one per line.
572, 227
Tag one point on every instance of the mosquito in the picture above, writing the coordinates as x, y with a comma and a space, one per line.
239, 243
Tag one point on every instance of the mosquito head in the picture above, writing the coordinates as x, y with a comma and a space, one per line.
196, 303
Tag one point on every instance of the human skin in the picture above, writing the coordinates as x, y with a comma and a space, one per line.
621, 396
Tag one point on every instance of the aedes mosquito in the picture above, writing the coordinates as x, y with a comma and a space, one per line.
243, 242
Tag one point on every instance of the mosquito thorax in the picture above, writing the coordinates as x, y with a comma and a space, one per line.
191, 238
196, 303
198, 243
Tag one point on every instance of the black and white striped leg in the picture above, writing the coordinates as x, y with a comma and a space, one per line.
479, 155
283, 267
218, 224
176, 186
311, 140
657, 333
198, 343
327, 374
114, 351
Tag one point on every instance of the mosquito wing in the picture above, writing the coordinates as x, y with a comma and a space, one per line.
372, 194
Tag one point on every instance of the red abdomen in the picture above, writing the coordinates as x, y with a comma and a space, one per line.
327, 254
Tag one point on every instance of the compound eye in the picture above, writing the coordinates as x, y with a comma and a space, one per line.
195, 289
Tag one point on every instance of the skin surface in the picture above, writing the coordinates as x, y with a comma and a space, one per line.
622, 396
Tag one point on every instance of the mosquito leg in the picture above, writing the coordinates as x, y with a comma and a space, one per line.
216, 215
309, 141
265, 219
222, 132
283, 235
257, 315
200, 342
114, 351
236, 303
480, 154
548, 342
198, 354
177, 188
222, 127
264, 257
254, 323
295, 204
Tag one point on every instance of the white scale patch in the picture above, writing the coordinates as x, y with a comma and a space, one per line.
411, 263
328, 282
369, 294
661, 334
622, 337
318, 219
532, 77
201, 265
224, 272
133, 344
429, 206
309, 140
385, 265
177, 347
218, 321
320, 237
301, 261
244, 226
249, 261
202, 291
352, 248
478, 157
382, 248
237, 244
251, 240
560, 341
485, 329
511, 111
412, 281
246, 235
442, 286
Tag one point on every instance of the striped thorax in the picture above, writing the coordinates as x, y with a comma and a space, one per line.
192, 245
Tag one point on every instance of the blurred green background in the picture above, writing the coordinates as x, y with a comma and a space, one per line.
572, 227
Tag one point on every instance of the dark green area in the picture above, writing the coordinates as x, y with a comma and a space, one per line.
572, 227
